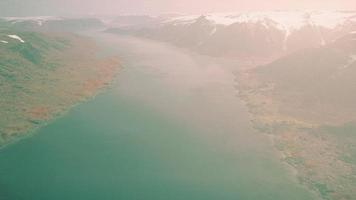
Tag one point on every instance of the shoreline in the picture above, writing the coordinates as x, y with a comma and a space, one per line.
33, 131
302, 144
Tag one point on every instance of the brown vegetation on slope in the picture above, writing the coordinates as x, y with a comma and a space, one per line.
42, 92
306, 102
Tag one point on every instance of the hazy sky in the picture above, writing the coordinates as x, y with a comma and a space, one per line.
61, 7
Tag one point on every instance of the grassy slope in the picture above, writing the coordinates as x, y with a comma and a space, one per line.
307, 102
44, 76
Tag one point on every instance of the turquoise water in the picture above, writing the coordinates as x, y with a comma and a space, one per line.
170, 128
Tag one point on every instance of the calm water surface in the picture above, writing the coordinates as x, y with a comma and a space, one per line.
170, 128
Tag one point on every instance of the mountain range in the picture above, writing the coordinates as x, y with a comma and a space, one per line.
251, 34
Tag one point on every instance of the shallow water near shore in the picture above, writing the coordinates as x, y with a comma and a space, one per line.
170, 127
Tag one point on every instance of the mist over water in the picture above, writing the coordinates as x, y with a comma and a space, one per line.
213, 100
163, 131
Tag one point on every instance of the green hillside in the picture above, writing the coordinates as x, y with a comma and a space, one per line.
306, 101
42, 75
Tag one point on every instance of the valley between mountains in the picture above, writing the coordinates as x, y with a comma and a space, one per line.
295, 71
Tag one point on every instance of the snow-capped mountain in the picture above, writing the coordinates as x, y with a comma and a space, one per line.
245, 34
285, 20
258, 34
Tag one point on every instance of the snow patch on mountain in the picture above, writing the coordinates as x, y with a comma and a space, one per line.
16, 37
213, 31
40, 20
182, 20
222, 19
351, 61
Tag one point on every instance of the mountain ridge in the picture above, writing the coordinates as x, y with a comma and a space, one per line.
260, 34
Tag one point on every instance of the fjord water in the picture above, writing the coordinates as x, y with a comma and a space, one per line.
171, 127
